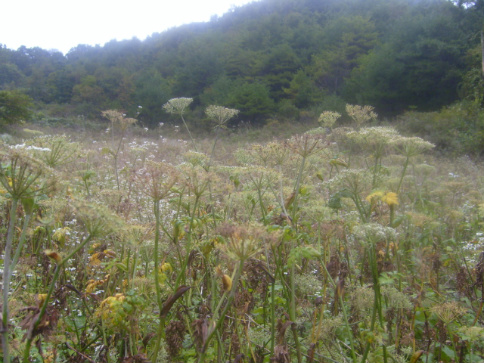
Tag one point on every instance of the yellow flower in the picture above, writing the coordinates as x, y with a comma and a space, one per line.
111, 309
93, 284
95, 259
166, 267
227, 282
390, 198
374, 196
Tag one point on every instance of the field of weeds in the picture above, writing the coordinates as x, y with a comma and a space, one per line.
349, 244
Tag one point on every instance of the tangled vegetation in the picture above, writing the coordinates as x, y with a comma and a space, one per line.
341, 244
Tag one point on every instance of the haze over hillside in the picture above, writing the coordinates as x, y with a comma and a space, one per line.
270, 58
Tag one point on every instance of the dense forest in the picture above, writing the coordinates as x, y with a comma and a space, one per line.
271, 58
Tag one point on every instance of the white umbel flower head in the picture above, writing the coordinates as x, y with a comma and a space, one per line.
220, 114
177, 105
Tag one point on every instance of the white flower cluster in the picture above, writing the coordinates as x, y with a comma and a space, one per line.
374, 232
474, 246
355, 180
411, 146
220, 114
31, 147
374, 136
395, 298
177, 105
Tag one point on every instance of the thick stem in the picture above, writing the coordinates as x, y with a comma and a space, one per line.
156, 208
189, 133
43, 309
273, 317
405, 166
6, 279
21, 241
296, 192
292, 313
345, 314
221, 317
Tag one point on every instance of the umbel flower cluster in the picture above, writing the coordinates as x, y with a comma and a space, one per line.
340, 244
220, 114
177, 105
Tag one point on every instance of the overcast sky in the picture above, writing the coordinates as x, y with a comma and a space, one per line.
63, 24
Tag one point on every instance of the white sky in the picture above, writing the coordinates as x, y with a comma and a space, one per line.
63, 24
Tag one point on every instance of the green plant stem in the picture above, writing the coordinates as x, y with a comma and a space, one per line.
116, 162
404, 171
377, 307
375, 168
258, 186
156, 208
220, 317
417, 188
281, 191
21, 242
189, 133
345, 315
273, 318
360, 207
212, 153
6, 279
296, 192
181, 274
292, 313
43, 309
42, 312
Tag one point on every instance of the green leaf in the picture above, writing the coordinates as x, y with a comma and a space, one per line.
301, 252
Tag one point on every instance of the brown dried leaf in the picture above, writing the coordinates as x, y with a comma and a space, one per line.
172, 299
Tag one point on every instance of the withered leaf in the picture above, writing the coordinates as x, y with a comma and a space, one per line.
171, 300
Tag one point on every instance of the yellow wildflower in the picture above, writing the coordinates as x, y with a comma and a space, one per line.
378, 195
390, 198
166, 267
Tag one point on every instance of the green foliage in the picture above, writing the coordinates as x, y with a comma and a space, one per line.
420, 63
303, 91
457, 129
302, 252
393, 54
151, 92
88, 91
349, 38
14, 107
10, 75
145, 250
253, 100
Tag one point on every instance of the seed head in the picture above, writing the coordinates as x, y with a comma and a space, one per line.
119, 119
220, 114
361, 114
177, 105
328, 118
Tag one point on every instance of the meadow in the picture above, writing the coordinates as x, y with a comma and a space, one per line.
348, 243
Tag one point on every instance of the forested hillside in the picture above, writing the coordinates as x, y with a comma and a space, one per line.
272, 57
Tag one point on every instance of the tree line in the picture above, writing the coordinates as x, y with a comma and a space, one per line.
270, 58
